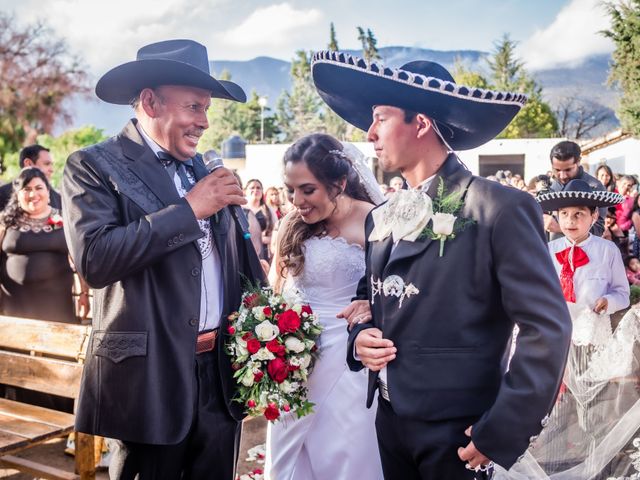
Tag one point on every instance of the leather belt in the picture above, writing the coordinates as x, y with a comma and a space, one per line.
384, 391
206, 341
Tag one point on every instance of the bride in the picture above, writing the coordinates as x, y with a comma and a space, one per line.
320, 254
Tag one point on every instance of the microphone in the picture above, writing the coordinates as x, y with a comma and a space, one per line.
212, 163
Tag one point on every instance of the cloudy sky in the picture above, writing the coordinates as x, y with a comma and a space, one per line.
549, 32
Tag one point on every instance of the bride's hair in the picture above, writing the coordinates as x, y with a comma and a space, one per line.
323, 156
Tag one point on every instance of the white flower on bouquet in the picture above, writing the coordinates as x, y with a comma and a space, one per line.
288, 387
263, 354
292, 344
305, 361
291, 296
443, 223
241, 347
258, 312
247, 378
266, 331
297, 308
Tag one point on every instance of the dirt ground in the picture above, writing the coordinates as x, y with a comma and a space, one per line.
52, 453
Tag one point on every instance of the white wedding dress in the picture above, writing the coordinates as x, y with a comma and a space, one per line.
337, 441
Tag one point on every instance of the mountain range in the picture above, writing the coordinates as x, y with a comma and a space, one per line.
269, 77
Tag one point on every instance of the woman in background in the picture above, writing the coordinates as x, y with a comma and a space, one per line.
36, 276
265, 216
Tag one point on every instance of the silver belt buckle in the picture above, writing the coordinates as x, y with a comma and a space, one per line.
384, 390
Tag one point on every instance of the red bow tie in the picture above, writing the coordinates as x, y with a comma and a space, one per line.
569, 266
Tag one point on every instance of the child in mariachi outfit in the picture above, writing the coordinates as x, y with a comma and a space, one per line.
598, 410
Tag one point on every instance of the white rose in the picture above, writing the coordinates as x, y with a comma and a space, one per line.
292, 344
247, 378
443, 223
263, 354
291, 296
305, 361
285, 387
241, 347
297, 308
258, 312
266, 331
295, 361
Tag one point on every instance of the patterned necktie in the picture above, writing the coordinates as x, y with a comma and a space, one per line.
570, 258
187, 176
184, 169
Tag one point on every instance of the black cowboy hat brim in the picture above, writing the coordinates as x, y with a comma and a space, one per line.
466, 117
122, 83
552, 201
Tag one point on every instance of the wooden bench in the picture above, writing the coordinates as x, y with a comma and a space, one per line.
46, 357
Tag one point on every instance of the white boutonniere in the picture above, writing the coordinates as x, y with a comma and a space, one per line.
446, 222
404, 216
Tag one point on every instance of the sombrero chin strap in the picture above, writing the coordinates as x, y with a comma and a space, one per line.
437, 130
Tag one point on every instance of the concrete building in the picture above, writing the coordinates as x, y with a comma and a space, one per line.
619, 150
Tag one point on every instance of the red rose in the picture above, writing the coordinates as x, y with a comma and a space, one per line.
247, 336
257, 471
307, 309
288, 321
231, 330
258, 376
250, 300
267, 311
286, 407
278, 370
271, 412
253, 345
276, 347
251, 403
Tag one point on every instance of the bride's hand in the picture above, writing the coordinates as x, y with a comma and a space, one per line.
358, 311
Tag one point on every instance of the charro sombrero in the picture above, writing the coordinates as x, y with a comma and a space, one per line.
578, 193
467, 117
172, 62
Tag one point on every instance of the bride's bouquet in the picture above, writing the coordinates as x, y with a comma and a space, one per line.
273, 344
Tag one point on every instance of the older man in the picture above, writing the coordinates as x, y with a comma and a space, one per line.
151, 231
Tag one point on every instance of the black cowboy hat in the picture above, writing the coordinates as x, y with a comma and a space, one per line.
172, 62
578, 193
466, 117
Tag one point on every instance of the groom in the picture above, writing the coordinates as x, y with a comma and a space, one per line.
444, 307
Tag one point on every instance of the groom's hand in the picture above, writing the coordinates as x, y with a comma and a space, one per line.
471, 455
374, 351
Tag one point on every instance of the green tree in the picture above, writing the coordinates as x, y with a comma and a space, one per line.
536, 119
228, 118
369, 44
463, 76
61, 147
39, 74
625, 34
333, 40
300, 109
506, 70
